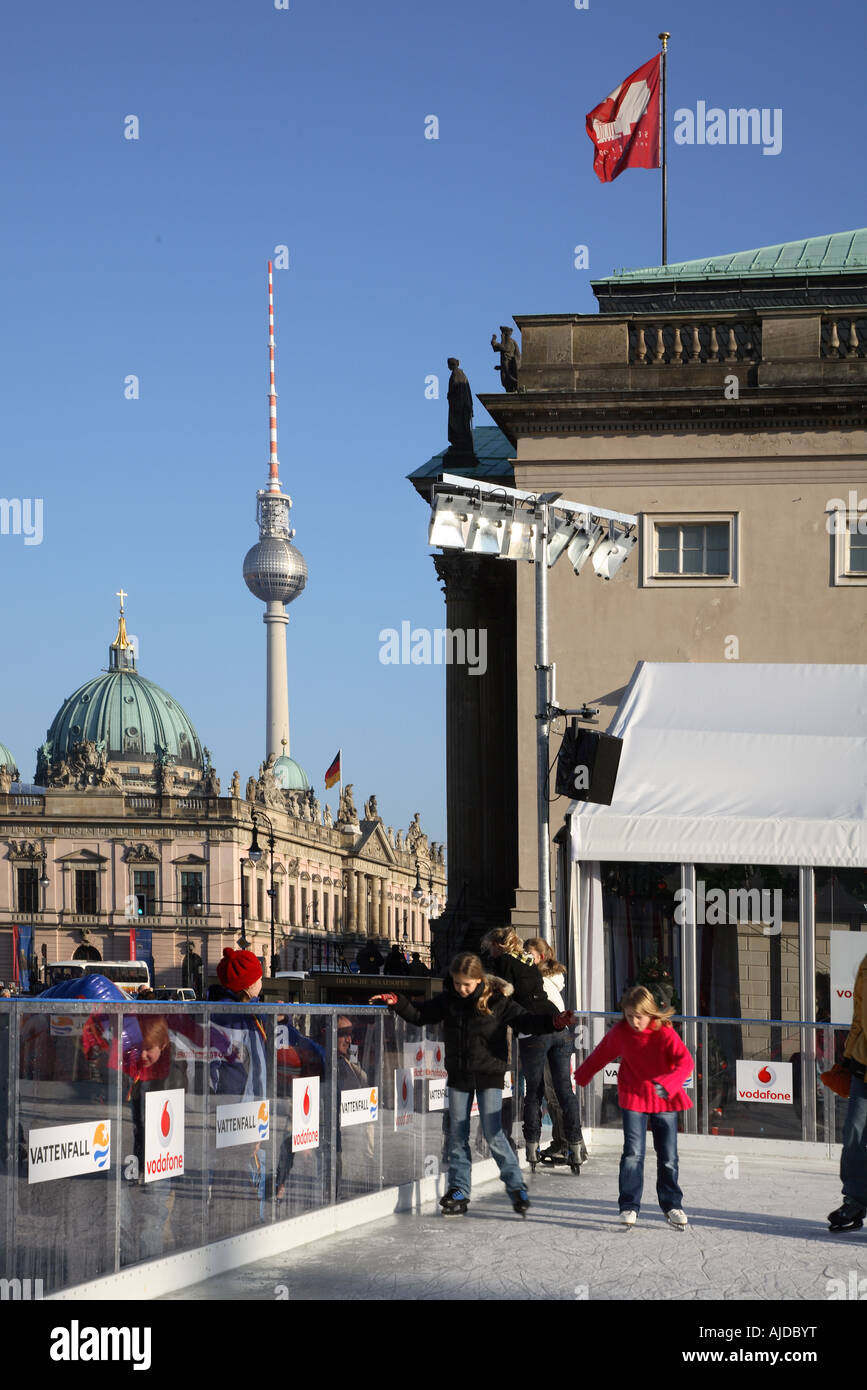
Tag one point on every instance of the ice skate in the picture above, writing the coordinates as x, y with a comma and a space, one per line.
520, 1201
628, 1218
532, 1154
848, 1217
573, 1155
677, 1218
554, 1154
455, 1202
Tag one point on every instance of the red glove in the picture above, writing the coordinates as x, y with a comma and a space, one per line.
390, 999
564, 1020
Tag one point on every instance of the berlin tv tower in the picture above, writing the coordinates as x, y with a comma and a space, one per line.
274, 570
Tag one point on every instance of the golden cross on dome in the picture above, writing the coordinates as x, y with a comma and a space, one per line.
121, 594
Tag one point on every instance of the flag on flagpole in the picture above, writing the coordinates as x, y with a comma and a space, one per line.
332, 776
625, 126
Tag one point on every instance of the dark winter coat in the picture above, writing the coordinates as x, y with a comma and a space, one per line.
526, 982
476, 1045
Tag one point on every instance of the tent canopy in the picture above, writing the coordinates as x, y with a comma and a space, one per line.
730, 763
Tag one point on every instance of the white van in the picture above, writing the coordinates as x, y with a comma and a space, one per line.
128, 975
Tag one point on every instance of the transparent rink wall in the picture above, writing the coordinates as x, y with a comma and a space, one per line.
131, 1132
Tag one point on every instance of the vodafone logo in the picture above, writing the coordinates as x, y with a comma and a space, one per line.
306, 1104
438, 1055
419, 1056
404, 1091
762, 1082
166, 1125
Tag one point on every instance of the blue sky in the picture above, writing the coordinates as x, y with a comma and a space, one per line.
305, 127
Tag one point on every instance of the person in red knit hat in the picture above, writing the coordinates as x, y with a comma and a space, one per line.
654, 1064
240, 975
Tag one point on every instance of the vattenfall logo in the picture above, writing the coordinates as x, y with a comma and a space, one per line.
373, 1104
263, 1120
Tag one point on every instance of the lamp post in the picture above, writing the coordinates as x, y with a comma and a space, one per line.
243, 906
255, 854
508, 524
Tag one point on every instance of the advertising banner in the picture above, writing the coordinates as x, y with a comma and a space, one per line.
404, 1099
63, 1151
164, 1134
359, 1107
764, 1081
246, 1123
436, 1093
848, 949
610, 1074
305, 1113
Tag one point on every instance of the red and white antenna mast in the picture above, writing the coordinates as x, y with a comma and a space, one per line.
273, 463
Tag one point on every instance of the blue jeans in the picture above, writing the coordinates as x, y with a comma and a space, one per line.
491, 1115
556, 1049
853, 1159
663, 1127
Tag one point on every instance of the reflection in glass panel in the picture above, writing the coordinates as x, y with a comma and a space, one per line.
841, 943
642, 939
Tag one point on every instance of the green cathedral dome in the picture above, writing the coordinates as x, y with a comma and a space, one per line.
7, 760
290, 775
130, 719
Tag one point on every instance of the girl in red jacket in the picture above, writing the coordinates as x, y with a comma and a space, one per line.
654, 1063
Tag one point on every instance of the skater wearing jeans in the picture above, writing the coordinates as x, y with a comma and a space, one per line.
853, 1157
476, 1012
654, 1063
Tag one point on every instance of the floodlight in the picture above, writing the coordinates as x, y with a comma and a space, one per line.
581, 544
519, 539
611, 553
562, 531
487, 522
449, 521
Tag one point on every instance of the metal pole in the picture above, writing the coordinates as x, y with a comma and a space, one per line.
662, 102
542, 723
243, 907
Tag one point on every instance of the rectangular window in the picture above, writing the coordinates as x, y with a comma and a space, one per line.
28, 890
191, 891
857, 545
293, 921
316, 922
278, 903
849, 544
305, 912
245, 895
693, 550
144, 886
260, 900
85, 890
687, 551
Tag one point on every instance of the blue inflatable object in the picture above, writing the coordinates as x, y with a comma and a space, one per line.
99, 989
87, 987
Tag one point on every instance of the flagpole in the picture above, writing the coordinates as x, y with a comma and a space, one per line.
663, 95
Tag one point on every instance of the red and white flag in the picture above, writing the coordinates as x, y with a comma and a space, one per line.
624, 127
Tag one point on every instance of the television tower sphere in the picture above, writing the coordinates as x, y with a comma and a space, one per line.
274, 570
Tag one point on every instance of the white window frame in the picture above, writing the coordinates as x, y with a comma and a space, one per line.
651, 579
838, 524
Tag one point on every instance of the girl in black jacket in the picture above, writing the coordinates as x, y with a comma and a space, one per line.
475, 1012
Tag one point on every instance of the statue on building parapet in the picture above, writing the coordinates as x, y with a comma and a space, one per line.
212, 783
389, 834
235, 784
460, 399
398, 839
510, 357
163, 775
316, 808
6, 779
370, 810
346, 812
251, 789
327, 817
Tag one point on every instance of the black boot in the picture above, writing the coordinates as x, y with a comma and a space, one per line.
555, 1153
455, 1202
848, 1217
520, 1200
532, 1153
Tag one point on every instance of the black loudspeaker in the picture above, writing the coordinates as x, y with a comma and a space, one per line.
587, 765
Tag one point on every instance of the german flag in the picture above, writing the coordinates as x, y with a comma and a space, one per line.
332, 776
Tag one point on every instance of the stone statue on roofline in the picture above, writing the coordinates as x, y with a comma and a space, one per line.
510, 357
460, 398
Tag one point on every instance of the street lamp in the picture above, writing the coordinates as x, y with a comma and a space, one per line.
255, 853
508, 524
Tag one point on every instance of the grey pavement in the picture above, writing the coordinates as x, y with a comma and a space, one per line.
758, 1233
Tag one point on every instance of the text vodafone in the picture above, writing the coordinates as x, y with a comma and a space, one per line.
166, 1163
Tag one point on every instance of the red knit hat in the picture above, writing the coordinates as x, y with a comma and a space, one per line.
238, 970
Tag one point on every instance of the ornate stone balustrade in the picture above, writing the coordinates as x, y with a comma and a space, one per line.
844, 337
673, 343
